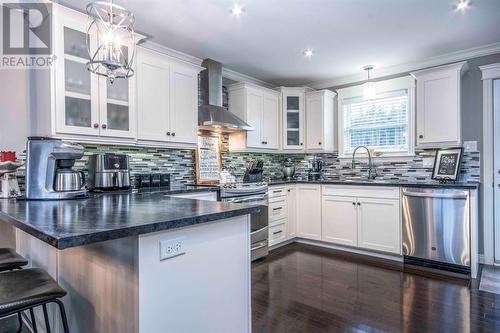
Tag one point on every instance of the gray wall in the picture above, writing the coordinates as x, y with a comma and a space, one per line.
472, 97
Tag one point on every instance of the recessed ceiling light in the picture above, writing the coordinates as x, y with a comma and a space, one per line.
463, 5
308, 53
237, 10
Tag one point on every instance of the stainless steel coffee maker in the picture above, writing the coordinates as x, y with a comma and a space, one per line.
49, 170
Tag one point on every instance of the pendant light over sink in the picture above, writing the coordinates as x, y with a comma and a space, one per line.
369, 91
112, 26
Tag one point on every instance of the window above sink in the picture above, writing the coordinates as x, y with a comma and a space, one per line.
384, 123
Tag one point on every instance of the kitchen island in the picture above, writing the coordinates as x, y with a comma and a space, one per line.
110, 251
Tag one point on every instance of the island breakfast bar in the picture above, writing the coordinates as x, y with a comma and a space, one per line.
109, 252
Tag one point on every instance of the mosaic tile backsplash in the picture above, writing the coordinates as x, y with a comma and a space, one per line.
409, 169
180, 164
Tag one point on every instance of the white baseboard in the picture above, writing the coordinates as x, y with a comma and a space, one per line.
393, 257
480, 258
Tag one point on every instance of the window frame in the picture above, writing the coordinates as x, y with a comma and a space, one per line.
382, 87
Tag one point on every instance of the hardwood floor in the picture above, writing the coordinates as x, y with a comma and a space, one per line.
301, 288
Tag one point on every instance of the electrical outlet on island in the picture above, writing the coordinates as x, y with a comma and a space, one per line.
171, 248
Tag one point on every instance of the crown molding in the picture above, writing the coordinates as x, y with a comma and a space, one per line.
239, 77
184, 57
491, 71
411, 66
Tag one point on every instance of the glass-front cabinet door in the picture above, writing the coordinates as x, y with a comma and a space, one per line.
117, 111
86, 103
76, 94
293, 118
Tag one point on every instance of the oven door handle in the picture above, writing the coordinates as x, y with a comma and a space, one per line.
260, 230
264, 244
247, 199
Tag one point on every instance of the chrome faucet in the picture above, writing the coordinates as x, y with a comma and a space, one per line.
372, 172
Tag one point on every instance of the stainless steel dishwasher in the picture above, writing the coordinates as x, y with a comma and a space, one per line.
436, 228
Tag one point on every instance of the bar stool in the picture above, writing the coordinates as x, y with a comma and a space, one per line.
10, 260
26, 289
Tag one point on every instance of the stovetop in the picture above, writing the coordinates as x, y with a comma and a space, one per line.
241, 189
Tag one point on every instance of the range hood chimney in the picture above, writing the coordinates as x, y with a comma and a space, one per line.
212, 116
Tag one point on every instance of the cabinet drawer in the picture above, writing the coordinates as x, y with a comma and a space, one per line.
277, 209
367, 191
277, 234
276, 191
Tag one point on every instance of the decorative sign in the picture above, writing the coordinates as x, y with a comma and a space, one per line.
208, 160
447, 163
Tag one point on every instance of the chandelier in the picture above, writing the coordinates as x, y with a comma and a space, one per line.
114, 31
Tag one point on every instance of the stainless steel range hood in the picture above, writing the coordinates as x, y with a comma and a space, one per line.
212, 116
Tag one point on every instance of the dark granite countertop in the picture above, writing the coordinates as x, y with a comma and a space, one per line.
69, 223
376, 182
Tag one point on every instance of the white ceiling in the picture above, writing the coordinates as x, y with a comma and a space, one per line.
267, 41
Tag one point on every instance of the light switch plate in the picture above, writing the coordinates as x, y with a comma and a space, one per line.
170, 248
470, 145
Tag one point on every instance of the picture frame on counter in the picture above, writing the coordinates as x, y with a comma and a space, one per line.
447, 164
208, 160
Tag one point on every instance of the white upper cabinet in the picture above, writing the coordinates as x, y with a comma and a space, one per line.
184, 104
438, 105
85, 103
293, 108
270, 121
153, 96
76, 89
320, 120
259, 108
167, 99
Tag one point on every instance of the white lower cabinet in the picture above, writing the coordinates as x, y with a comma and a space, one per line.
277, 233
277, 208
369, 222
339, 220
379, 225
363, 217
291, 204
309, 211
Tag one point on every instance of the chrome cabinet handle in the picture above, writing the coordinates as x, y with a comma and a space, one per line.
104, 126
420, 136
96, 125
277, 232
277, 208
173, 133
168, 133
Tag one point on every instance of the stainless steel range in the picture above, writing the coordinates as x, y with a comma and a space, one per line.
255, 194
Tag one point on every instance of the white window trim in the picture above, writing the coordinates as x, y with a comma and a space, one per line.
406, 82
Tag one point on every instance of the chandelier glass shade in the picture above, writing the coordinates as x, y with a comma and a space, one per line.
112, 26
